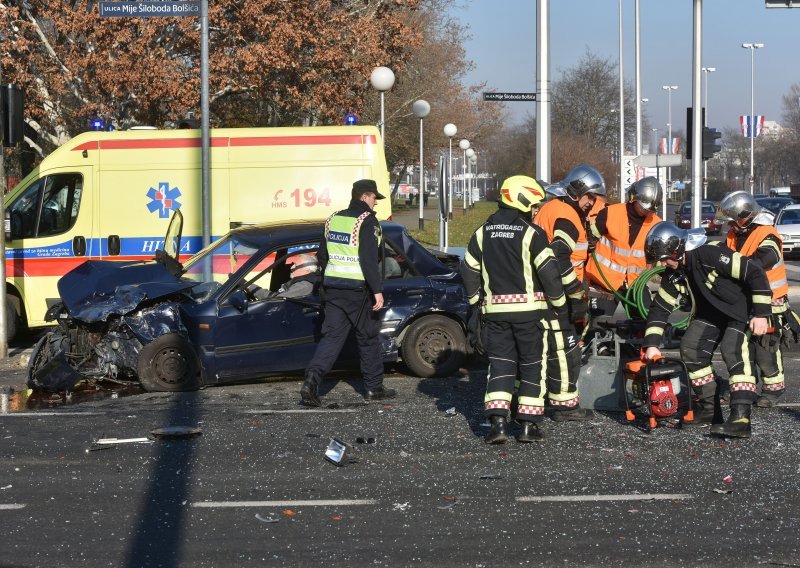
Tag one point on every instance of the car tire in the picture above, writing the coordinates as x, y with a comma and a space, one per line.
168, 364
44, 351
434, 346
14, 326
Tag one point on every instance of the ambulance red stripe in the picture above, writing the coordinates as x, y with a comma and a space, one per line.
244, 141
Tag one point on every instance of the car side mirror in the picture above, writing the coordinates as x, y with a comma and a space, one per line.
238, 300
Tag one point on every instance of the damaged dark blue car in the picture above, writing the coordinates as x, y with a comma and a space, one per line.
218, 317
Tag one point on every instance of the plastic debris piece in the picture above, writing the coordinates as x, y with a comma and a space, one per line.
336, 518
404, 454
451, 411
336, 452
633, 510
727, 479
313, 435
265, 519
361, 440
96, 448
289, 513
446, 507
449, 497
176, 432
114, 441
7, 487
723, 491
401, 506
491, 476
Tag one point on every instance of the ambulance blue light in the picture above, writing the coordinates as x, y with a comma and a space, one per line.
98, 124
351, 119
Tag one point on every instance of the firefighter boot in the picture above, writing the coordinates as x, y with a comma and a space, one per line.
499, 432
309, 392
530, 432
769, 399
703, 408
738, 423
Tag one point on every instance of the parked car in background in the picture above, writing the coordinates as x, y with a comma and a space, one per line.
708, 220
788, 226
774, 204
218, 318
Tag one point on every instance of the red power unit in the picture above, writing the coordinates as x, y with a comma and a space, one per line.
657, 390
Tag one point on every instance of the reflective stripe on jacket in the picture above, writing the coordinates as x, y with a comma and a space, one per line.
777, 274
551, 212
343, 269
619, 261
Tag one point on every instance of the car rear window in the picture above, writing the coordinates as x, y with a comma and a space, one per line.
790, 217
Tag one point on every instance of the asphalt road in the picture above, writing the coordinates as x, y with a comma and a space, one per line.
254, 488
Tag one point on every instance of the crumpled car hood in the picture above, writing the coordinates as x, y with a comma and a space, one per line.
98, 289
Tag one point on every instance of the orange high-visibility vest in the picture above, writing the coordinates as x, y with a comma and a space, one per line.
620, 262
776, 274
546, 218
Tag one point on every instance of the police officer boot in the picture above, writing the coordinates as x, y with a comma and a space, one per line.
738, 423
703, 407
530, 432
499, 432
309, 392
576, 414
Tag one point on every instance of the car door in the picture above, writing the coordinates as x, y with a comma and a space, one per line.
405, 290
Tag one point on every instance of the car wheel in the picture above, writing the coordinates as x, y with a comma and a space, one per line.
168, 364
46, 349
13, 319
434, 346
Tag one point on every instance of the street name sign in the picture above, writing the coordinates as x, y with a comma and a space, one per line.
149, 9
506, 97
658, 160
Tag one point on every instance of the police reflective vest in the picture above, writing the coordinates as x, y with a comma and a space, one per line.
777, 274
342, 232
551, 212
619, 261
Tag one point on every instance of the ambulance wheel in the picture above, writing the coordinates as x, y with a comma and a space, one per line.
169, 364
434, 346
13, 319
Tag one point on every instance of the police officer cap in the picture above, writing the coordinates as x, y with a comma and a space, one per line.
363, 186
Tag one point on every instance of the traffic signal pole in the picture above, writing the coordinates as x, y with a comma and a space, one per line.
697, 124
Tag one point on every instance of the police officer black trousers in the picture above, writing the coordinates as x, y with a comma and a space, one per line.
347, 310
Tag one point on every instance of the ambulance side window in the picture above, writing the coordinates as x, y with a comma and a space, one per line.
48, 207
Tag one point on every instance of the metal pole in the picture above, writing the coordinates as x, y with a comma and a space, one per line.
697, 127
383, 132
421, 195
543, 149
450, 194
205, 134
621, 114
3, 291
638, 38
752, 114
464, 182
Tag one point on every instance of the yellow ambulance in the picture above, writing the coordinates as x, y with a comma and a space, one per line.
110, 195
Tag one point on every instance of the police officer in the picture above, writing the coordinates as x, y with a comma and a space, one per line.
752, 234
715, 279
563, 220
349, 258
511, 275
620, 230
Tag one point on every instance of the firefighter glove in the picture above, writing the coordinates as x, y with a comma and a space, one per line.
475, 331
770, 342
578, 308
791, 328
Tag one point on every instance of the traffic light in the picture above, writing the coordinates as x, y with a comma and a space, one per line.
12, 106
689, 131
710, 144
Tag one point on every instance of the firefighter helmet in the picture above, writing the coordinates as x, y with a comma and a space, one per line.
665, 241
647, 193
521, 192
740, 208
583, 179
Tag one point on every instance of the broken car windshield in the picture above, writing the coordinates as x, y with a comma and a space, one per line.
220, 260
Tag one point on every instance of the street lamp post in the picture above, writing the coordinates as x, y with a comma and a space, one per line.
470, 163
450, 130
669, 89
421, 109
706, 71
752, 47
382, 79
474, 185
464, 145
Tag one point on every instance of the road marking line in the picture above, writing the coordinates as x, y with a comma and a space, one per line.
314, 503
52, 414
301, 411
788, 404
9, 506
633, 497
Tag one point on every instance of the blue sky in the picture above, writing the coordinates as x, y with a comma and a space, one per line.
503, 48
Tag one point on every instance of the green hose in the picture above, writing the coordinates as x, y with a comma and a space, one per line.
633, 300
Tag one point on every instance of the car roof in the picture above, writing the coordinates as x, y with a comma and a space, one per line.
276, 234
791, 207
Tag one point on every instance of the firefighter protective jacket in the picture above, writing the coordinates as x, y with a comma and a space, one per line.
619, 251
764, 245
510, 270
717, 275
349, 254
567, 235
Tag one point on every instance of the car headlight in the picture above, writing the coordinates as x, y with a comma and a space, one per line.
785, 237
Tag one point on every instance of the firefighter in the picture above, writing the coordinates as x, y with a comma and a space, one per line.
715, 279
563, 219
353, 290
752, 234
620, 231
512, 277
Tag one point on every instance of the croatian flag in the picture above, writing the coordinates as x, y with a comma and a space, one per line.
744, 121
676, 143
